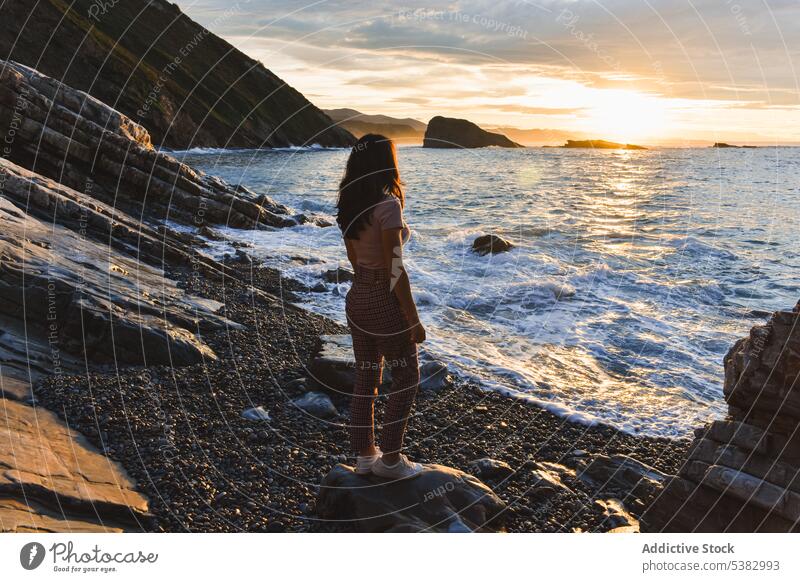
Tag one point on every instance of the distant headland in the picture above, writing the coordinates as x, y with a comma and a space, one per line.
601, 144
721, 144
447, 132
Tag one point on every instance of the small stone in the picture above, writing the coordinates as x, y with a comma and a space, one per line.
316, 404
257, 413
487, 468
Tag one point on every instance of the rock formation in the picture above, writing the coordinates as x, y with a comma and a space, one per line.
742, 473
78, 268
69, 136
87, 207
446, 132
490, 244
145, 58
600, 144
440, 499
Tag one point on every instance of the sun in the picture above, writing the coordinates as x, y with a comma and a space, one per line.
627, 116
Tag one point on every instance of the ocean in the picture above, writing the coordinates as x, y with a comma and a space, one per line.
633, 272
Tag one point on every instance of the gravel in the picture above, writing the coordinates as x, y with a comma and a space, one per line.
180, 432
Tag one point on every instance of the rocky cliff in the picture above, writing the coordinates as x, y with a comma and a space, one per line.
446, 132
64, 134
151, 62
87, 249
742, 473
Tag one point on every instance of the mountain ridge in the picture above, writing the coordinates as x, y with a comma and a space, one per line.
147, 59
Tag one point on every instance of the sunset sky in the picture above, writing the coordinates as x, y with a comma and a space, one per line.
629, 70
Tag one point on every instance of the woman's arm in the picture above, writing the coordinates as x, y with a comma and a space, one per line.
399, 284
351, 253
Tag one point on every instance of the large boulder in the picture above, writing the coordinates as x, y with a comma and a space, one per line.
741, 472
440, 499
446, 132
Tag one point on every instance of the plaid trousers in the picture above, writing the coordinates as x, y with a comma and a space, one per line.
380, 337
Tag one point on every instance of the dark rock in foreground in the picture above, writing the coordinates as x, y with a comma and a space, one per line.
440, 499
147, 59
601, 144
741, 474
491, 469
446, 132
491, 244
316, 404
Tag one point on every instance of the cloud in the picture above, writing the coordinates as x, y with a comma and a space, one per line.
426, 53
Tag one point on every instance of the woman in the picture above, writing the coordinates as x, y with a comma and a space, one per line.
381, 313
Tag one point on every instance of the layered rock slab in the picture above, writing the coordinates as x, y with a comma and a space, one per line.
86, 298
53, 479
742, 473
71, 137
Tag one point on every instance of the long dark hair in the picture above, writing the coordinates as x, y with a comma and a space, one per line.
371, 173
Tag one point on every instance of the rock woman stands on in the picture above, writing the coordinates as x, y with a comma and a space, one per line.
380, 309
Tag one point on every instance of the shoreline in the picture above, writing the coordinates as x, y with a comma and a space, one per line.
180, 433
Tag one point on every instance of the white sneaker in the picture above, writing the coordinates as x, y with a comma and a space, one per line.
402, 469
364, 464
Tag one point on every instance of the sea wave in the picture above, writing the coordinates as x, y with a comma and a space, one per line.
625, 287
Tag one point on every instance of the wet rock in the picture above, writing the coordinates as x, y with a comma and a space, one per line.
439, 499
620, 474
210, 233
316, 404
491, 244
333, 367
616, 517
434, 376
338, 275
546, 480
89, 297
